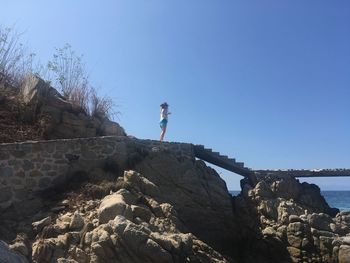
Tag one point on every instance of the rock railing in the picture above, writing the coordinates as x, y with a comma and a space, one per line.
29, 167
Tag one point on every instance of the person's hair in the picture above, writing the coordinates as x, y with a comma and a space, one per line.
164, 105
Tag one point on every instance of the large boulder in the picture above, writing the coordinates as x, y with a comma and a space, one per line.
131, 227
111, 128
113, 205
197, 193
35, 89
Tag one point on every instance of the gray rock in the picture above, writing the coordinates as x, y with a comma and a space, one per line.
8, 256
39, 225
34, 88
141, 183
346, 240
320, 221
5, 194
111, 128
294, 218
263, 190
344, 254
111, 206
77, 221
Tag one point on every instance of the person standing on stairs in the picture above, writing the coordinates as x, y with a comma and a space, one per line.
163, 119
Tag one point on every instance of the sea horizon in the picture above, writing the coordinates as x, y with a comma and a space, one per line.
335, 198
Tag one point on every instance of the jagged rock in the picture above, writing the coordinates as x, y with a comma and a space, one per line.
149, 232
305, 228
263, 190
320, 221
196, 192
34, 89
111, 206
111, 128
285, 188
77, 221
39, 225
141, 183
141, 212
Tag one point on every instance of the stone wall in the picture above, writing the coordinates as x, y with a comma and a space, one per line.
29, 167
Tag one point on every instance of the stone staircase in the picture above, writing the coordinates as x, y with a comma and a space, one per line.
222, 161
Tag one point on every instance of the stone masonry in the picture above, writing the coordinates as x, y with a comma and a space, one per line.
29, 167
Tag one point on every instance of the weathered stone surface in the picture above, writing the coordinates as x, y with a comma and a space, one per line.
77, 221
134, 228
44, 182
34, 89
320, 221
20, 174
294, 218
6, 171
263, 190
305, 229
110, 207
35, 173
346, 240
39, 225
344, 254
188, 185
141, 183
27, 165
5, 194
111, 128
4, 155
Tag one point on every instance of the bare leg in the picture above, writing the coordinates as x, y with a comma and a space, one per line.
162, 134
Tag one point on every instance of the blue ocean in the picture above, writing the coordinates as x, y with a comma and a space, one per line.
338, 199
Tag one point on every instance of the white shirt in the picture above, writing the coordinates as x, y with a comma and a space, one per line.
163, 114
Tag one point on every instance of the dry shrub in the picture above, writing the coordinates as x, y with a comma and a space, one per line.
71, 78
15, 61
66, 72
101, 107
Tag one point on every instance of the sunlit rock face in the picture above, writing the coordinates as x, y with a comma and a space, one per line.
288, 221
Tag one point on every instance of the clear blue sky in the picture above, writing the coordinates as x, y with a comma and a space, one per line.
266, 82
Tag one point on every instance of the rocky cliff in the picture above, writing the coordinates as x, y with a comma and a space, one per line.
170, 209
283, 220
129, 200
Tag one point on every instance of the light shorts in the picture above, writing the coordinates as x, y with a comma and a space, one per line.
163, 123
